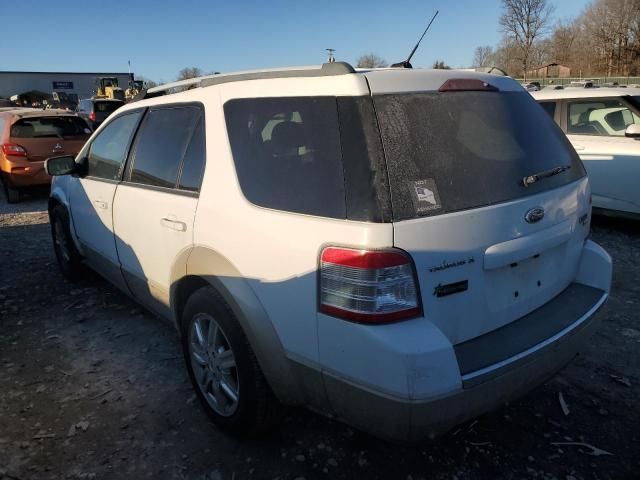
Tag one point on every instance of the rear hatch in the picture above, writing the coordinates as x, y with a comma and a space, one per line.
104, 108
487, 248
49, 135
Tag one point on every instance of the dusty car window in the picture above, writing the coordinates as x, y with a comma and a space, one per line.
287, 153
454, 151
109, 149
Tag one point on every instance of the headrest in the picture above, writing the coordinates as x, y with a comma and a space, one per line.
287, 137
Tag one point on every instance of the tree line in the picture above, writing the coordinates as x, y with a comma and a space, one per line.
604, 39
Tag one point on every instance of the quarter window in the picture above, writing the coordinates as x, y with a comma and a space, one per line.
609, 117
161, 145
287, 153
109, 149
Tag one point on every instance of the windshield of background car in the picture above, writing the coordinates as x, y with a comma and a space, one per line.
107, 107
453, 151
36, 127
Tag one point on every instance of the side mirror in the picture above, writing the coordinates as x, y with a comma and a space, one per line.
632, 131
63, 165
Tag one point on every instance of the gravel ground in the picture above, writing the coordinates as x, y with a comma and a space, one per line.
92, 386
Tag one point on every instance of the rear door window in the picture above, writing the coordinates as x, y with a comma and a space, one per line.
42, 127
161, 144
109, 149
458, 150
107, 107
287, 153
193, 163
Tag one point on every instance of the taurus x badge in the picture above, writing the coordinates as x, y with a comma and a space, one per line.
534, 215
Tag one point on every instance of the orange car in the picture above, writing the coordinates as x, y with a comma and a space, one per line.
28, 137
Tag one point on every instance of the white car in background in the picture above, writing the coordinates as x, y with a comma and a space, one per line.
603, 126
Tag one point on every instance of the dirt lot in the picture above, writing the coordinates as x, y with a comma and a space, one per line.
91, 386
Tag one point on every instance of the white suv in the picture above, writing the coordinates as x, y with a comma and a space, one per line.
395, 248
603, 125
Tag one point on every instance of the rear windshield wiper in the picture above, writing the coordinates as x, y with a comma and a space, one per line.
531, 179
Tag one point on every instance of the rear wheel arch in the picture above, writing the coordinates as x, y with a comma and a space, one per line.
207, 268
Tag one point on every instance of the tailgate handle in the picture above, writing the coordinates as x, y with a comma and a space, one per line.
506, 253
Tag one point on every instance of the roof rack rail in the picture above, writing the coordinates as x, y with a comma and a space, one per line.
325, 70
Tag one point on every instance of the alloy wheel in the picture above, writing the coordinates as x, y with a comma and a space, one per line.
214, 364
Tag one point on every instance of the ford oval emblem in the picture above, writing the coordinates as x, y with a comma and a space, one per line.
534, 215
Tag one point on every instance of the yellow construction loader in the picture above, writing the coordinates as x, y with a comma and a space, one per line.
107, 87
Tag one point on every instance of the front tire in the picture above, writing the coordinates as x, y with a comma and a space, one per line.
223, 368
67, 255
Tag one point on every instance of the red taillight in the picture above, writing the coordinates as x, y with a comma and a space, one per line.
13, 149
467, 85
92, 116
367, 286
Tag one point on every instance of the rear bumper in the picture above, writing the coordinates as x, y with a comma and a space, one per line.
492, 369
22, 173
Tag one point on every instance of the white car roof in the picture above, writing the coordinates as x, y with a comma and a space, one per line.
548, 94
416, 80
340, 76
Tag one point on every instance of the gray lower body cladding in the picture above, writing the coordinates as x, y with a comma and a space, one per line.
406, 420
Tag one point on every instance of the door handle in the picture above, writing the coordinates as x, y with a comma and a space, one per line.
176, 225
578, 147
101, 204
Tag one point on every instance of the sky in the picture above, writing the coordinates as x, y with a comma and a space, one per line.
160, 37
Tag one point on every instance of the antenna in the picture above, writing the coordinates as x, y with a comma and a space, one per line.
330, 51
407, 62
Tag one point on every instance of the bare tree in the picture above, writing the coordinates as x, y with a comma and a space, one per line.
440, 65
562, 41
541, 53
191, 72
507, 56
524, 21
483, 56
371, 60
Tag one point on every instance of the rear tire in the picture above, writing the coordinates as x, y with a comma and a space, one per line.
12, 193
67, 255
223, 368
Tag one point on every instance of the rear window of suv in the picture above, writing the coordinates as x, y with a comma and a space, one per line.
453, 151
36, 127
107, 107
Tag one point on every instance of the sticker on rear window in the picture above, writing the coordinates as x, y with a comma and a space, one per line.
425, 195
